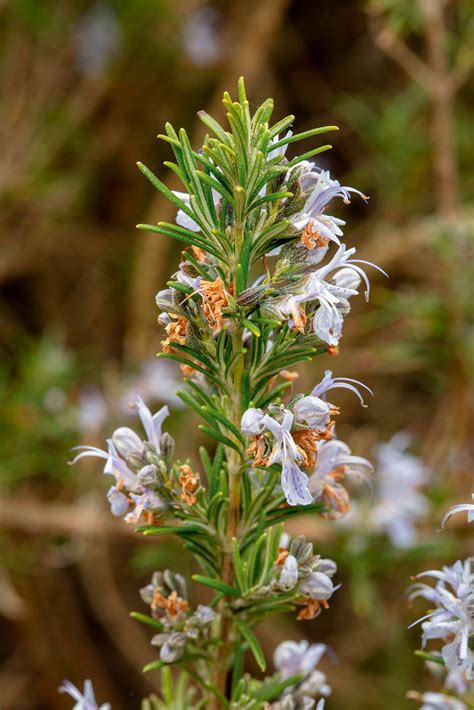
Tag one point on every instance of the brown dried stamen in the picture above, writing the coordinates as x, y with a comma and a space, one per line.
312, 239
214, 299
312, 608
189, 482
173, 604
176, 332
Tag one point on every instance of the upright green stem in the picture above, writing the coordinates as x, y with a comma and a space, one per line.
234, 465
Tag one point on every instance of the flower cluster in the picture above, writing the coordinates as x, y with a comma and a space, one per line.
299, 570
293, 659
182, 628
145, 484
299, 437
397, 503
452, 619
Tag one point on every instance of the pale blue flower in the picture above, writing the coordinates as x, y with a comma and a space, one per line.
85, 700
152, 423
289, 573
252, 422
293, 658
437, 701
293, 481
331, 290
322, 189
453, 616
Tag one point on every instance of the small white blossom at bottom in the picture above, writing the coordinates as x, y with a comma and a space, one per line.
85, 700
292, 658
437, 701
452, 619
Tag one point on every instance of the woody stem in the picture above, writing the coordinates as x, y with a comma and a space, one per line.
234, 465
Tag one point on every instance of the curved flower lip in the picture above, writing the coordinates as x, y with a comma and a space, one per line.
461, 508
329, 382
151, 422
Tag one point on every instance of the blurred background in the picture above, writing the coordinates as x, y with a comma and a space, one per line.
85, 88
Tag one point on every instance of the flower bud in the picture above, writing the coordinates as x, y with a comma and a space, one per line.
289, 573
250, 296
173, 649
252, 422
127, 442
318, 586
301, 549
312, 411
327, 566
167, 446
347, 278
147, 475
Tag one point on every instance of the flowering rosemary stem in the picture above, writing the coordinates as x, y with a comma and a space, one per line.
234, 464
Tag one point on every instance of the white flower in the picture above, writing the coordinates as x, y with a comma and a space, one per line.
318, 586
252, 422
332, 293
289, 573
85, 700
151, 422
323, 189
125, 443
292, 658
398, 503
293, 480
331, 383
453, 617
461, 508
437, 701
334, 462
314, 412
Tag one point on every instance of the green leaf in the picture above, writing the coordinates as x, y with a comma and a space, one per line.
220, 437
148, 620
237, 668
253, 643
156, 182
217, 585
214, 126
273, 687
169, 529
154, 666
308, 155
238, 566
305, 134
252, 327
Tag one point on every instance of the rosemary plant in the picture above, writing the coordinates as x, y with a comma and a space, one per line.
257, 293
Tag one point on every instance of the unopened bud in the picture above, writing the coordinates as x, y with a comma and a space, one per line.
167, 446
127, 442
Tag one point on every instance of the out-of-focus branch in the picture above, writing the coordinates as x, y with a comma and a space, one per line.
388, 42
78, 520
442, 98
439, 82
251, 30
